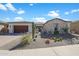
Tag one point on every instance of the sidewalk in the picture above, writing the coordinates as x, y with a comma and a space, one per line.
70, 50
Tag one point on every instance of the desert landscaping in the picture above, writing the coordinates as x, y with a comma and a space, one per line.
39, 29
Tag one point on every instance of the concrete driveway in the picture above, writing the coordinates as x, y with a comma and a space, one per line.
9, 41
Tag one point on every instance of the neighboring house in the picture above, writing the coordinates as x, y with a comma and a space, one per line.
56, 24
75, 27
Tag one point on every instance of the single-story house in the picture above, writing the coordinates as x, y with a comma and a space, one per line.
19, 27
56, 24
51, 25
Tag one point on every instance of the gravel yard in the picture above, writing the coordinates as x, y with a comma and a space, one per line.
40, 43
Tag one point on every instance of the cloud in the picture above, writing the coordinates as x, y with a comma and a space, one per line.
5, 19
66, 13
31, 4
20, 12
18, 19
39, 19
75, 10
54, 14
66, 19
72, 11
2, 7
7, 6
10, 7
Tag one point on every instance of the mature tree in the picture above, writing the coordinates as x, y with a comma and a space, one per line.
5, 28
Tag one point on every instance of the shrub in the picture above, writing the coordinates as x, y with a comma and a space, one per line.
26, 40
47, 42
65, 30
57, 39
34, 39
56, 32
50, 32
61, 39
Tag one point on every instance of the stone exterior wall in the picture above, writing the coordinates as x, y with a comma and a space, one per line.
50, 25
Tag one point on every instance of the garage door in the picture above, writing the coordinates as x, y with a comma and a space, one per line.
20, 28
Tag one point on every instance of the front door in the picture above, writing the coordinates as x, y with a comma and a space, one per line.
56, 26
56, 30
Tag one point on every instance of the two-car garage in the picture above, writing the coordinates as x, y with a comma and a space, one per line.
20, 27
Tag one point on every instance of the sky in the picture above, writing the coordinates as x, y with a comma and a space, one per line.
38, 12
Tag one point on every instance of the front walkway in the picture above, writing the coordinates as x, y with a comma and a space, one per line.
70, 50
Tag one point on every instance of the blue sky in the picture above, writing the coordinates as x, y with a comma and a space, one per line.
38, 12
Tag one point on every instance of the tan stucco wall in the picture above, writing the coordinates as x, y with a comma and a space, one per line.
49, 26
11, 29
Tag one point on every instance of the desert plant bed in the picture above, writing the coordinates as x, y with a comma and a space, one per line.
56, 39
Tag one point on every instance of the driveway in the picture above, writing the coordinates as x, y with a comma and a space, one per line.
9, 41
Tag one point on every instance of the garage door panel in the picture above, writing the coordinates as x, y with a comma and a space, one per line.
20, 28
